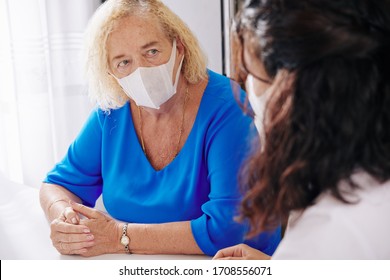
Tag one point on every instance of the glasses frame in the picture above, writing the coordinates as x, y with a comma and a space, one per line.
243, 71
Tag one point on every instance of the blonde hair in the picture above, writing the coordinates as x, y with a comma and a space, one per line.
104, 88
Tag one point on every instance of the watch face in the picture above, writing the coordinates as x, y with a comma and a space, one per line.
125, 240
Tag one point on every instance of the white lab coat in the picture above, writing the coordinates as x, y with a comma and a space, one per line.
333, 230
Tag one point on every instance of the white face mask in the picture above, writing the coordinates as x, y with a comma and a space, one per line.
258, 104
152, 86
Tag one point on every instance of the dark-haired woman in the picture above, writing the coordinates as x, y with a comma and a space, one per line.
318, 79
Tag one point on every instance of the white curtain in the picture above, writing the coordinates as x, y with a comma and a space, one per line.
43, 93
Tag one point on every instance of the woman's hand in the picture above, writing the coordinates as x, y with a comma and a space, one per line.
68, 237
240, 252
105, 230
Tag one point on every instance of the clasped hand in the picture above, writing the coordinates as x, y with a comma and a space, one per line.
240, 252
93, 235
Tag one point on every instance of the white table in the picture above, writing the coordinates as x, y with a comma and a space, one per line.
24, 230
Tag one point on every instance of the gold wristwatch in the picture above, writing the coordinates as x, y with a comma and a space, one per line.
125, 240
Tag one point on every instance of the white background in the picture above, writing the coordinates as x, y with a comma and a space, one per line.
204, 19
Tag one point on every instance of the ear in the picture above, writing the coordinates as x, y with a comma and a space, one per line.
180, 46
284, 79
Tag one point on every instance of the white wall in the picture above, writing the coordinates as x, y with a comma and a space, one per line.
204, 19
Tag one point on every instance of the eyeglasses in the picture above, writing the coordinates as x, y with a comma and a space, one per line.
241, 68
240, 72
244, 72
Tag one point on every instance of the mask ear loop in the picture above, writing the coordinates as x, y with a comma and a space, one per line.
178, 74
179, 67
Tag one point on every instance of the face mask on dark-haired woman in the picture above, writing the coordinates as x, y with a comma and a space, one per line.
258, 104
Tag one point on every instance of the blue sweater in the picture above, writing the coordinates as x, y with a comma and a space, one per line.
199, 185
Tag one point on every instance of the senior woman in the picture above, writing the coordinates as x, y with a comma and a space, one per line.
163, 148
317, 75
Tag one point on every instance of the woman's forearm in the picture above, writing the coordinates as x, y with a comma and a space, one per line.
167, 238
54, 199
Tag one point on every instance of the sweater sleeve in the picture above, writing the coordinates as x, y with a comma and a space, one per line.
228, 142
80, 169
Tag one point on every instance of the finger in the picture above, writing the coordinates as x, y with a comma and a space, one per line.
88, 212
220, 254
240, 250
71, 238
61, 218
79, 251
71, 216
57, 225
229, 258
73, 248
227, 252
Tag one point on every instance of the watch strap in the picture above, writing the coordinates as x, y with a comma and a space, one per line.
125, 240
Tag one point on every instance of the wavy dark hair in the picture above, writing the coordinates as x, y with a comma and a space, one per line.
336, 115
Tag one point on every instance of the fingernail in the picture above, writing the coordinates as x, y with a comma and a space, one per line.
86, 230
74, 220
90, 237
